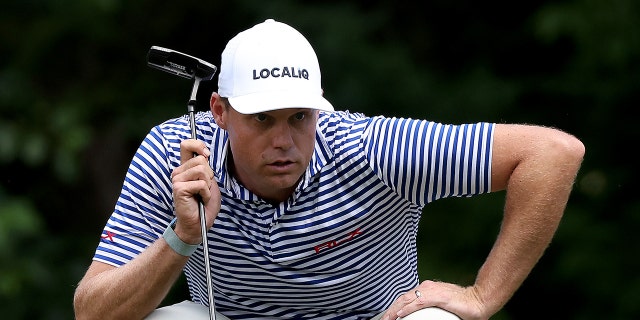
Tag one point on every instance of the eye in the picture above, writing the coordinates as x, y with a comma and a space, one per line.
300, 116
261, 117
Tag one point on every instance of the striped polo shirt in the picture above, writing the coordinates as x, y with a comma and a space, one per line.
343, 246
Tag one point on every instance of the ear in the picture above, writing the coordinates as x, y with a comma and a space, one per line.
218, 110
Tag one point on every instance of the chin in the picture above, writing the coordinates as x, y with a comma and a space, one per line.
284, 181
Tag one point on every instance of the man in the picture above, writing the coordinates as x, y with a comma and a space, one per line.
313, 213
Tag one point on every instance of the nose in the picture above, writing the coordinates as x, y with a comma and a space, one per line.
281, 136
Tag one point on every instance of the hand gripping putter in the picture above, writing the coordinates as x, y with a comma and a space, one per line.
189, 67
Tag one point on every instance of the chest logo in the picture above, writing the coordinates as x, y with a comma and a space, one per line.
334, 243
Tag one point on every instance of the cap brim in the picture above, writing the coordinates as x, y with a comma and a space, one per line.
263, 102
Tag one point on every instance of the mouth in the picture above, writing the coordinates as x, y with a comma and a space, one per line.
281, 163
281, 166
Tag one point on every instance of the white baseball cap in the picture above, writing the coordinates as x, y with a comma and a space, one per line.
270, 66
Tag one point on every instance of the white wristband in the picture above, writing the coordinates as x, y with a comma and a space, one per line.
175, 243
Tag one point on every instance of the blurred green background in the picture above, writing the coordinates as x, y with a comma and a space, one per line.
77, 97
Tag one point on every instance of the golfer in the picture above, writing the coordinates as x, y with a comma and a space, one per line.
312, 211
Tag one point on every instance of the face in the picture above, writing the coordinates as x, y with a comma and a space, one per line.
270, 150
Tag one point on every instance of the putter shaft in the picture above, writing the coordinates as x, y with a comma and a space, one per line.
201, 213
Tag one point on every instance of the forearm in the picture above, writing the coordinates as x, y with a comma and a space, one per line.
517, 249
131, 291
538, 189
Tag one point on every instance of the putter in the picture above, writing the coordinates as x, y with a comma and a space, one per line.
189, 67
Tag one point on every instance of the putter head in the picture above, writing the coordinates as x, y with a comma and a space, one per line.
180, 64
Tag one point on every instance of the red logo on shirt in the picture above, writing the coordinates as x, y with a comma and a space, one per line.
335, 243
109, 235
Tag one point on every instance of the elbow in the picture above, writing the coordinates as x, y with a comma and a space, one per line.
559, 159
82, 304
78, 301
570, 149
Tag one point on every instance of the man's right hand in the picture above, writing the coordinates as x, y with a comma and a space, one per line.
193, 181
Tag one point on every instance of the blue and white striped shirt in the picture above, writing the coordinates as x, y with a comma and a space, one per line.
343, 246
